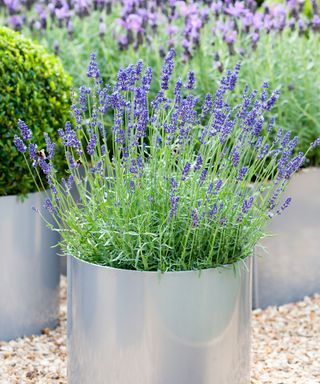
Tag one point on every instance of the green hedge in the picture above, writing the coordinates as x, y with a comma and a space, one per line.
33, 87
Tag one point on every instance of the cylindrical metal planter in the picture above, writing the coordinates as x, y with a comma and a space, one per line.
29, 269
130, 327
289, 268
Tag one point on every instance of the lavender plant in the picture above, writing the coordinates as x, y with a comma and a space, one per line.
187, 184
277, 42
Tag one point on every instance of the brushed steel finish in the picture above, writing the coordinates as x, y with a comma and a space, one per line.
289, 268
29, 269
129, 327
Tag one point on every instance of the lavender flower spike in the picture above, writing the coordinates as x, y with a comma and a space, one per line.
191, 80
93, 70
91, 145
21, 147
167, 69
48, 206
25, 131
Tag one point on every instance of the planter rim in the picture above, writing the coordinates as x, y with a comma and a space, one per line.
25, 196
198, 271
307, 169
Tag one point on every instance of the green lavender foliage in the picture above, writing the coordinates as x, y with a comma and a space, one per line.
33, 86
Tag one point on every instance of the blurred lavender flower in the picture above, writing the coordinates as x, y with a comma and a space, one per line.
19, 144
51, 147
191, 80
24, 130
167, 70
93, 70
48, 206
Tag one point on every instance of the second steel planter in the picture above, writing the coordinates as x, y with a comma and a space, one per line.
289, 268
29, 269
130, 327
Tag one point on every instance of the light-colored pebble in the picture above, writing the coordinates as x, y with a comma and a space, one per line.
285, 348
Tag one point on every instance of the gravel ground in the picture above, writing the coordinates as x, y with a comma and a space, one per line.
285, 348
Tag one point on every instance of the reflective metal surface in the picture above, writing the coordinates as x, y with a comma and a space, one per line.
29, 269
129, 327
63, 265
290, 267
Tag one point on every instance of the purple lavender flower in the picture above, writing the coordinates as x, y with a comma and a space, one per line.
158, 100
60, 132
25, 131
173, 184
102, 28
203, 176
21, 147
48, 206
254, 39
258, 126
316, 22
103, 149
286, 204
194, 218
16, 22
69, 137
235, 158
92, 144
33, 148
285, 140
147, 79
191, 80
45, 166
174, 200
177, 91
264, 151
233, 78
73, 164
98, 168
294, 165
246, 205
207, 105
51, 147
213, 211
236, 10
93, 70
242, 173
219, 185
186, 170
67, 183
199, 162
83, 97
230, 38
70, 181
52, 186
167, 69
272, 100
316, 143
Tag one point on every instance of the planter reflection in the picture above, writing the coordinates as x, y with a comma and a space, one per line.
143, 327
289, 268
29, 269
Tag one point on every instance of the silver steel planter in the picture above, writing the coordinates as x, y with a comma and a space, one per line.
290, 267
29, 269
129, 327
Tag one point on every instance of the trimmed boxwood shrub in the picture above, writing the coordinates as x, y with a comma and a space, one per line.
33, 87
